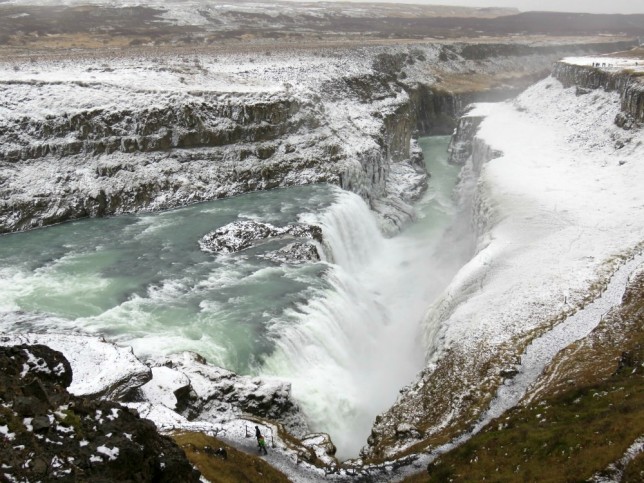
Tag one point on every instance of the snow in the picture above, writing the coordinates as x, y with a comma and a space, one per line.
160, 389
4, 430
98, 367
111, 454
160, 415
33, 364
559, 209
608, 63
543, 350
615, 471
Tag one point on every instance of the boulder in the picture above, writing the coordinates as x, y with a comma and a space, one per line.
242, 234
218, 395
50, 434
100, 369
323, 447
296, 252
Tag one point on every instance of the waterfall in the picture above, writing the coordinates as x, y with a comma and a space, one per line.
348, 350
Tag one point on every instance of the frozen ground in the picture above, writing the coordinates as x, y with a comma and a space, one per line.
609, 63
557, 210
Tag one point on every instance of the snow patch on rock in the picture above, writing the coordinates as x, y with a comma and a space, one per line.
100, 369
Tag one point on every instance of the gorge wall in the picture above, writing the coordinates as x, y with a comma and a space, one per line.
459, 382
171, 133
630, 86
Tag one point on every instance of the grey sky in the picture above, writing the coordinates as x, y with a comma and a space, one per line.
590, 6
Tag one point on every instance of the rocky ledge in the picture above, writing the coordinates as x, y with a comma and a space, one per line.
47, 433
171, 390
197, 391
243, 234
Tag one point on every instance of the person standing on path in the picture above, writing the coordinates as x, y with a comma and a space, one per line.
262, 445
261, 442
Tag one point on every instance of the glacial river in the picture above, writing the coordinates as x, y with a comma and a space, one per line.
346, 331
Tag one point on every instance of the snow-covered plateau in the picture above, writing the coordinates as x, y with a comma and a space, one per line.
103, 135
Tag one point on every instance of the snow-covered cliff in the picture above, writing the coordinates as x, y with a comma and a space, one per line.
557, 208
101, 136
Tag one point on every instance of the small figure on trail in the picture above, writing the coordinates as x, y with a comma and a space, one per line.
262, 444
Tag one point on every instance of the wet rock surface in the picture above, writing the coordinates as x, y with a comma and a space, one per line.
198, 391
243, 234
46, 433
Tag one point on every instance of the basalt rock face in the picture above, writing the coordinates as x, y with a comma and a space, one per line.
191, 124
187, 384
630, 87
49, 434
243, 234
103, 145
99, 162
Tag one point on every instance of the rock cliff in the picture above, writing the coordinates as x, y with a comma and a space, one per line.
459, 383
79, 141
629, 84
49, 434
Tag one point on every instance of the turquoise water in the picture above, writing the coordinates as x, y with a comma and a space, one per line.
142, 279
345, 332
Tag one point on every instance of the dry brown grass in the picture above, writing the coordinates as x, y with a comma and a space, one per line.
238, 467
590, 410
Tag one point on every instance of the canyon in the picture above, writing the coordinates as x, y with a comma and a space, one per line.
156, 125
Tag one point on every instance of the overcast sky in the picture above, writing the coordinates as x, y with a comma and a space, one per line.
591, 6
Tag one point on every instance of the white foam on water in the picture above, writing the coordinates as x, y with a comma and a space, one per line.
349, 349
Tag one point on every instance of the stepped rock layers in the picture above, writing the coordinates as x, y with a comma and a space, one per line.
96, 138
553, 186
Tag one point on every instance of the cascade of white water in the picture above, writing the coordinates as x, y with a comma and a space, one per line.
351, 234
330, 347
349, 349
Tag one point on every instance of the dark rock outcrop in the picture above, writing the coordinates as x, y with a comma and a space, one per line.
48, 434
243, 234
629, 86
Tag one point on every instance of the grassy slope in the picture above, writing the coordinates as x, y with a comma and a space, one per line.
590, 410
238, 467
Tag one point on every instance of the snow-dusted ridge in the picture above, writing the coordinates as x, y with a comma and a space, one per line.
135, 134
104, 135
